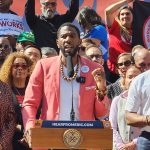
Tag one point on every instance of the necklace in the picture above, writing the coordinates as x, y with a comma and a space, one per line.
19, 91
68, 78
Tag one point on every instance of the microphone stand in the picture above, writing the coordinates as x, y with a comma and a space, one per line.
72, 113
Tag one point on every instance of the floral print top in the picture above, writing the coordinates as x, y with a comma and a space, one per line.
7, 117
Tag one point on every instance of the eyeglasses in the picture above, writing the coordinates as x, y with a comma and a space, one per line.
5, 46
126, 63
23, 66
95, 56
46, 4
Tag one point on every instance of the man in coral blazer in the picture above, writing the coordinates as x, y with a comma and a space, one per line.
50, 84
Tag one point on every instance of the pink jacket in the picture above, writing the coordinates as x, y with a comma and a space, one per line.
44, 85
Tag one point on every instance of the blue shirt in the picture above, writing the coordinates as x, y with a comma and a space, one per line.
99, 32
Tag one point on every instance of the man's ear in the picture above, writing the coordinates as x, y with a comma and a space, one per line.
102, 62
80, 41
57, 42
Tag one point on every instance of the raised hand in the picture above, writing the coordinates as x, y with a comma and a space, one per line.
99, 77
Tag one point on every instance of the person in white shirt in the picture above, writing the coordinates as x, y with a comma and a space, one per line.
139, 100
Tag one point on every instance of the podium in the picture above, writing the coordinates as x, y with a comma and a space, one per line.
72, 135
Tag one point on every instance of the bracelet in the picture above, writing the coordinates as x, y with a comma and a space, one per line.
147, 120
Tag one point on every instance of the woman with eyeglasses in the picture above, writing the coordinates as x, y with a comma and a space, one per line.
124, 136
123, 63
16, 71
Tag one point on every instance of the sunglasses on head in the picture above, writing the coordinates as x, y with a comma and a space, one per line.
5, 46
53, 4
125, 63
23, 66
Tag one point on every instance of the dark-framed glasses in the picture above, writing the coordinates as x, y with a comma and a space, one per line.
46, 4
5, 46
125, 63
23, 66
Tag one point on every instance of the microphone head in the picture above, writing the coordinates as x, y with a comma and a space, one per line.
80, 79
70, 69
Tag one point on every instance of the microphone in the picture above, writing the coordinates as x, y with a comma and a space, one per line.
70, 72
80, 79
70, 69
72, 113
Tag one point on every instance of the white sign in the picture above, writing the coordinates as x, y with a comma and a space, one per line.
10, 24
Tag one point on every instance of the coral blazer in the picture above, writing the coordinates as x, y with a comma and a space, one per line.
44, 84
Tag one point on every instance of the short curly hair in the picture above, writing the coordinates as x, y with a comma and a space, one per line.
5, 71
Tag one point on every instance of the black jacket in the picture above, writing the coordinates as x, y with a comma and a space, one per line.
45, 29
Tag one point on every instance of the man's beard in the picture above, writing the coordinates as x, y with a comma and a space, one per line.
71, 53
48, 14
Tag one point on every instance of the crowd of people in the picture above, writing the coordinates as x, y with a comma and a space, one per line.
56, 66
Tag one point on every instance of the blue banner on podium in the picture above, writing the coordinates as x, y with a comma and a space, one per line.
72, 124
